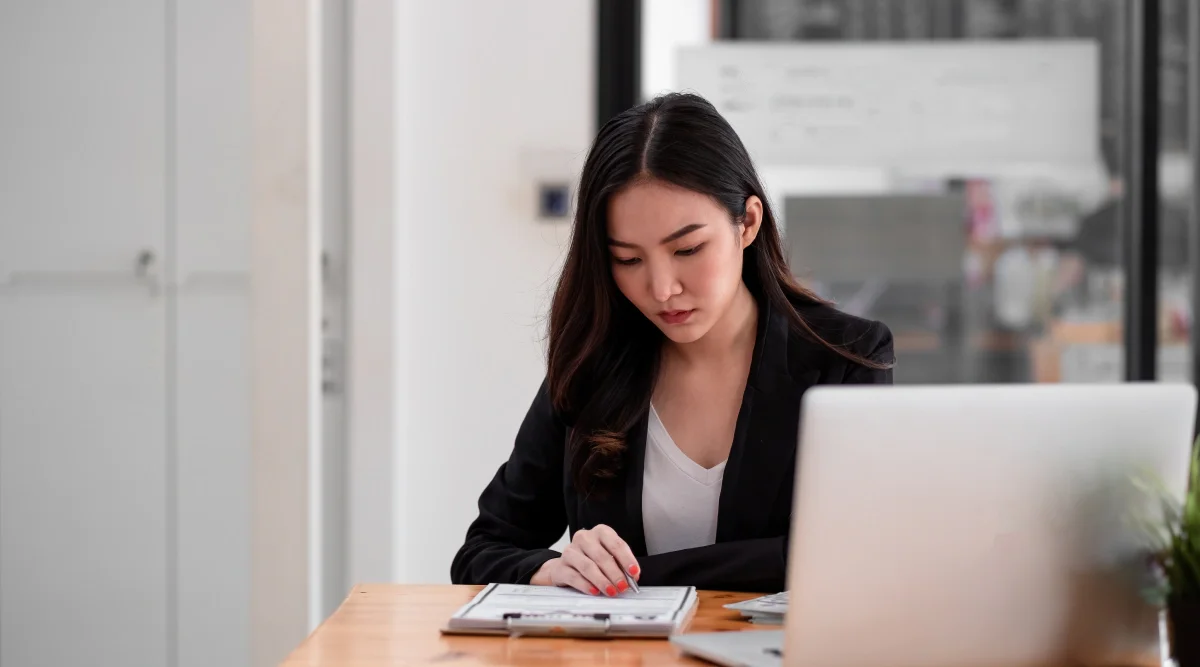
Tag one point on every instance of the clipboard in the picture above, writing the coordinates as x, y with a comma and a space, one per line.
541, 611
572, 625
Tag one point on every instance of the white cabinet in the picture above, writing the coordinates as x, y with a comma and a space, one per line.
84, 569
83, 479
210, 339
212, 413
83, 131
212, 112
124, 332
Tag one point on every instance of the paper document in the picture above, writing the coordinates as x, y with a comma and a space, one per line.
656, 611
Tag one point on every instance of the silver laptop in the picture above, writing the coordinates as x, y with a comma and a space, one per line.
970, 526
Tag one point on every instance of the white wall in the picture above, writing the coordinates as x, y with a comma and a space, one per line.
667, 26
485, 90
286, 176
371, 290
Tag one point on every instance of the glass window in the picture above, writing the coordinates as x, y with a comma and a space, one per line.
1005, 271
1175, 176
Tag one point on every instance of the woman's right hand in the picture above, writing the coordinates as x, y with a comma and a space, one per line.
592, 563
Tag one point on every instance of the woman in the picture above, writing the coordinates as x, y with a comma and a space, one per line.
664, 435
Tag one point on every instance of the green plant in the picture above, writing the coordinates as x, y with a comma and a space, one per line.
1174, 547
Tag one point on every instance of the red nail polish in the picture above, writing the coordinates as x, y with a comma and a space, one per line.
621, 586
595, 591
634, 570
611, 591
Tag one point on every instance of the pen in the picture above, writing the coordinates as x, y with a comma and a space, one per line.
629, 580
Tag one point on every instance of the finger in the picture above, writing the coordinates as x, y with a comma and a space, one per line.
620, 551
579, 560
600, 555
570, 577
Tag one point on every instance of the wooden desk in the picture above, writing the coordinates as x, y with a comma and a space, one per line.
389, 625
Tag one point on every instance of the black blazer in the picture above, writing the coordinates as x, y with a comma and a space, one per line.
532, 498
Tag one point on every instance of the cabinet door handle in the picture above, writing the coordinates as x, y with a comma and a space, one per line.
145, 263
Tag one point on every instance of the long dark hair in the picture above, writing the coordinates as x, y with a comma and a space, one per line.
603, 353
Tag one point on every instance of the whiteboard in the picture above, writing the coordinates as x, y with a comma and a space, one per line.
900, 103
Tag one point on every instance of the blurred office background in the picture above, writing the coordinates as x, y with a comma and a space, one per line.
273, 273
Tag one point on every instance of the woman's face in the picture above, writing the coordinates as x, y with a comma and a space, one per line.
677, 256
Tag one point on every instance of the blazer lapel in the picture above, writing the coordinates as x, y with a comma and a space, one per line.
618, 504
635, 532
764, 444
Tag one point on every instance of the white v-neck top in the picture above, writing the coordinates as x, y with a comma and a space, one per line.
679, 496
